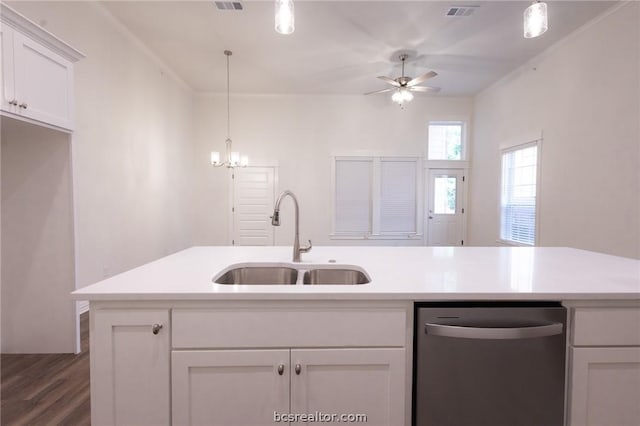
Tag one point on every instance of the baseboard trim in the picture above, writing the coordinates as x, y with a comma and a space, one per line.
83, 306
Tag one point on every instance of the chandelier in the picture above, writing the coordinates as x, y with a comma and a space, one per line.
232, 158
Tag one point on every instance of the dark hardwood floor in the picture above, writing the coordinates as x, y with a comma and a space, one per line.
47, 389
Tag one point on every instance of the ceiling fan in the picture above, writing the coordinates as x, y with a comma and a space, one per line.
403, 85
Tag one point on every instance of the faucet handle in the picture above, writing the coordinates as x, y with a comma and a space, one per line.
306, 249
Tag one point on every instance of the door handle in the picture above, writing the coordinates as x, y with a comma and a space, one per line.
504, 333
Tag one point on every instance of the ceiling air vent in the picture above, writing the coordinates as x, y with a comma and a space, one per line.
229, 5
461, 10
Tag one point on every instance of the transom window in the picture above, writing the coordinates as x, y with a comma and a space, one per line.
446, 140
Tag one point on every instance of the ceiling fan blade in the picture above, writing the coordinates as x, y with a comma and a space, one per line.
424, 89
422, 78
389, 80
379, 91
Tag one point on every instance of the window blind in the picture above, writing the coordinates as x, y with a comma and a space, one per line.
398, 196
518, 198
353, 196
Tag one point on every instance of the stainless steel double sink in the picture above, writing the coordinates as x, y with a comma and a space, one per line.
279, 274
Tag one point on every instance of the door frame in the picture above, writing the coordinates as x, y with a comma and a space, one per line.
463, 197
231, 191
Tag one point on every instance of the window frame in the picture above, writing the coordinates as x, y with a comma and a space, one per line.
375, 232
538, 144
464, 142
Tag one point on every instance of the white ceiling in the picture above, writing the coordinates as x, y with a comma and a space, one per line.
341, 46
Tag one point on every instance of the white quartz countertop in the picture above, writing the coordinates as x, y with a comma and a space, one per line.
399, 273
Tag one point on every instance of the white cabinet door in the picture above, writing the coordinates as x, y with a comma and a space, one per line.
43, 83
229, 387
356, 381
130, 367
7, 92
605, 387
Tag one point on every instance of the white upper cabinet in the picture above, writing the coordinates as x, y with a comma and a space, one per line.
36, 73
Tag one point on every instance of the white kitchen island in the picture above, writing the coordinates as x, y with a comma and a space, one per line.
168, 346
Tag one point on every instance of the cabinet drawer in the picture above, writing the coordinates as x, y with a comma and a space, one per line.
606, 326
285, 327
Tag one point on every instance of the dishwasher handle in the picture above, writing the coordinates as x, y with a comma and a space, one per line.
461, 332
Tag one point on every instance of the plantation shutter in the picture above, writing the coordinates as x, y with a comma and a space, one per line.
353, 195
398, 195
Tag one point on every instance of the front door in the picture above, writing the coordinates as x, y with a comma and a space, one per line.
445, 210
253, 199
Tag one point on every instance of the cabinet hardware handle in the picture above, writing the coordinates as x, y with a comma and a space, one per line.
13, 102
298, 369
155, 328
23, 105
281, 369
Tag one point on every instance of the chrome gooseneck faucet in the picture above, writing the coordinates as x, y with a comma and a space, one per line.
275, 221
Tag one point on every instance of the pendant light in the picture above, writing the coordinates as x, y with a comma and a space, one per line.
285, 17
232, 158
535, 20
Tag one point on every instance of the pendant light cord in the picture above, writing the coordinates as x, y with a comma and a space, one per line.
228, 53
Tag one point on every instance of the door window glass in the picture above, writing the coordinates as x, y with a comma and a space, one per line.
444, 193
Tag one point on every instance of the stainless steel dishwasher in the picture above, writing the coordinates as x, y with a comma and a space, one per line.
489, 364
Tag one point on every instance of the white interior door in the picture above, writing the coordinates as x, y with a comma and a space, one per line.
445, 209
253, 199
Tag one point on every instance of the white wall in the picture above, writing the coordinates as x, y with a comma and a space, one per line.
132, 146
37, 240
584, 95
300, 134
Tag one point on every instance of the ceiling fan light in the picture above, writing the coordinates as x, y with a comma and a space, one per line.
402, 96
285, 17
535, 20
